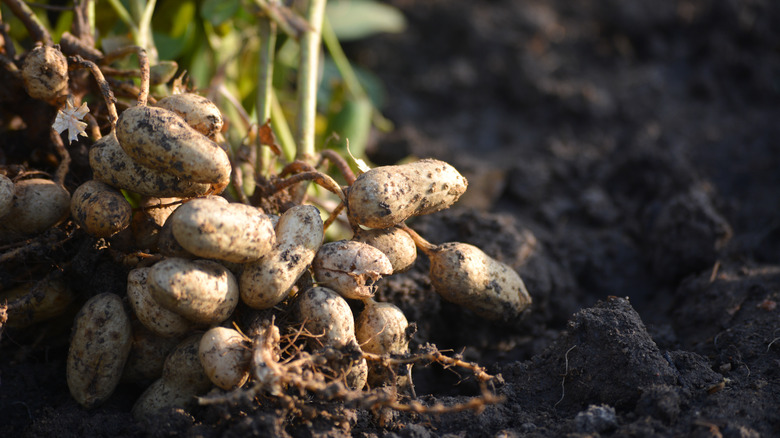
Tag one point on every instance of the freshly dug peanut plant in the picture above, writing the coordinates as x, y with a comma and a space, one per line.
388, 195
99, 347
100, 209
45, 74
463, 274
160, 139
199, 112
112, 165
299, 234
38, 205
224, 354
234, 232
182, 379
396, 243
351, 268
150, 313
203, 291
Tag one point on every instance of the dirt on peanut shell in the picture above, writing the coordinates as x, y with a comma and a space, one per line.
622, 156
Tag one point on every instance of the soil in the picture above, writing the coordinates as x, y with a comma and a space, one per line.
621, 156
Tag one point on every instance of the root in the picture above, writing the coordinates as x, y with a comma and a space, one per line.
565, 373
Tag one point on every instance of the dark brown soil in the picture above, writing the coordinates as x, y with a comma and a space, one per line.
622, 156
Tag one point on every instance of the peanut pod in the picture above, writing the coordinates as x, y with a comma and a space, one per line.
350, 268
199, 112
388, 195
100, 209
463, 274
266, 282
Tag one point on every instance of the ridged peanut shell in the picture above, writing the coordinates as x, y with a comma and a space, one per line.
396, 243
160, 139
234, 232
99, 346
150, 313
199, 112
45, 74
350, 268
224, 355
327, 316
465, 275
388, 195
112, 165
38, 204
100, 209
266, 282
202, 291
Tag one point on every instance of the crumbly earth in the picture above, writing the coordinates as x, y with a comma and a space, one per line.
622, 156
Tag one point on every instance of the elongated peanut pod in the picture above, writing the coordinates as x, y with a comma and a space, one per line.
162, 140
38, 204
150, 313
388, 195
112, 165
463, 274
99, 347
210, 228
224, 354
351, 268
299, 233
202, 291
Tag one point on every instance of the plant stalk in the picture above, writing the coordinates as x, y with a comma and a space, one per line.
265, 86
308, 72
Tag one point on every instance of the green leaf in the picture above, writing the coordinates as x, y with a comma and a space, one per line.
356, 19
353, 122
219, 11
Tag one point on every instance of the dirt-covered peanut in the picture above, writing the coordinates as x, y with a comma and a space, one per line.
112, 165
268, 281
381, 328
150, 313
388, 195
397, 245
357, 376
327, 316
100, 209
233, 232
463, 274
160, 139
38, 204
99, 346
45, 74
182, 380
147, 355
31, 303
202, 291
350, 268
199, 112
6, 195
224, 354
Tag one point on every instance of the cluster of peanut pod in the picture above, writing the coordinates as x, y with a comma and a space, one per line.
210, 255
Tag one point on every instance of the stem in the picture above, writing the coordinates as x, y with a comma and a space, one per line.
320, 178
426, 247
339, 162
282, 128
265, 85
105, 89
308, 80
143, 67
125, 17
34, 26
340, 59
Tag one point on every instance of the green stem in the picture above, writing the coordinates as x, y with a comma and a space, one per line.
307, 81
282, 128
265, 84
